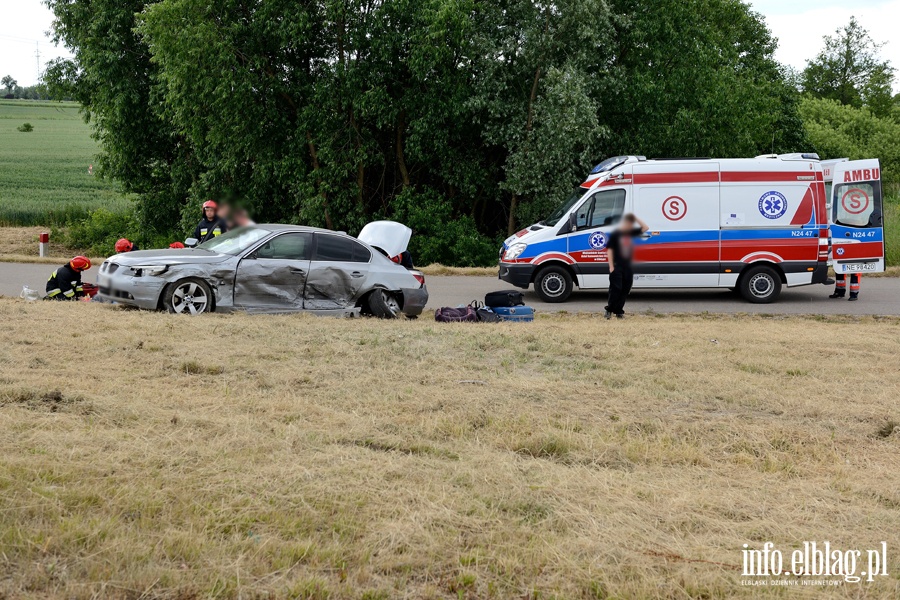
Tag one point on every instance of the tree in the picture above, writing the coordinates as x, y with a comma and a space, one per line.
849, 70
9, 83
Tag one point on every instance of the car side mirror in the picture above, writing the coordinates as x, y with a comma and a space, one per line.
191, 242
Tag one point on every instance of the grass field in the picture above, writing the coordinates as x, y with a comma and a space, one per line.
147, 456
44, 176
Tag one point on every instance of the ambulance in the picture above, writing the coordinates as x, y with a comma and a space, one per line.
749, 225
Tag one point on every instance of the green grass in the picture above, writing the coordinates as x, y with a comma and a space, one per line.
44, 177
892, 231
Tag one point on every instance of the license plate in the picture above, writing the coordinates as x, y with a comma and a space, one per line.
860, 267
103, 280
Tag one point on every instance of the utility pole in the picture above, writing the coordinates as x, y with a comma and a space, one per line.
37, 55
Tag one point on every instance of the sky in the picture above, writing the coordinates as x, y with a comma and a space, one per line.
798, 24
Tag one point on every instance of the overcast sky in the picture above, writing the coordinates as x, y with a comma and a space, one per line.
798, 24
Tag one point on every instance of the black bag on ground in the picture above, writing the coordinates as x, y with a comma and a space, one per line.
503, 299
484, 314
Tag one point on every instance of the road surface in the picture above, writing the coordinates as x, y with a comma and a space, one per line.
880, 296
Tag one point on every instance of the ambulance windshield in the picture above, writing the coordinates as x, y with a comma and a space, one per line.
563, 210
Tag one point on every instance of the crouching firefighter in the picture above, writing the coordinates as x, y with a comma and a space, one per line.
840, 286
65, 282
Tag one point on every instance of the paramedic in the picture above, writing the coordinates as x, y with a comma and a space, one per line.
211, 225
840, 288
620, 249
65, 282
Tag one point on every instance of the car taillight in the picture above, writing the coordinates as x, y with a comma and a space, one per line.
420, 278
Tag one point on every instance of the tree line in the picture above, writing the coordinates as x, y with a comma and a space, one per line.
465, 119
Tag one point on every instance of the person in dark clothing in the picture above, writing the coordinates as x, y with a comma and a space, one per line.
840, 287
620, 249
211, 225
65, 282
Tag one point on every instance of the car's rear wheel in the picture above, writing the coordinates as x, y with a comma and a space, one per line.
761, 285
553, 284
384, 305
188, 297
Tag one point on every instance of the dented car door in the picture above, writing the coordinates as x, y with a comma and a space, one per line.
338, 272
274, 276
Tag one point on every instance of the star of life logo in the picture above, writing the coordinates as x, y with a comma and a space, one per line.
598, 240
773, 205
812, 564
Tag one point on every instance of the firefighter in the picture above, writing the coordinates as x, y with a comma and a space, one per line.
211, 225
840, 286
124, 245
65, 282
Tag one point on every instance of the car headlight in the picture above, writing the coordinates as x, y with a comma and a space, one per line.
149, 270
514, 251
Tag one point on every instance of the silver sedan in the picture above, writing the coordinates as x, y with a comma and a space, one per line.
273, 269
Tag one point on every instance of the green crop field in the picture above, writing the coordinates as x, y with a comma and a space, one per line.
44, 177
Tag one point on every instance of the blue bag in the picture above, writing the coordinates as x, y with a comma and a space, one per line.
524, 314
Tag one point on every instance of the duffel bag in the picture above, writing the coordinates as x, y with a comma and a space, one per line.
504, 298
456, 315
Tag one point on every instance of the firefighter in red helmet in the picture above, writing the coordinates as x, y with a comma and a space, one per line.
65, 282
211, 225
125, 245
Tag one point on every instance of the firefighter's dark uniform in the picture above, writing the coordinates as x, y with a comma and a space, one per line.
65, 284
207, 230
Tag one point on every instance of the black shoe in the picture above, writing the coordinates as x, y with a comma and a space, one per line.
620, 316
829, 281
853, 298
608, 315
836, 295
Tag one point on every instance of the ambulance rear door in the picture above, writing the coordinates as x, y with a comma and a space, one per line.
857, 230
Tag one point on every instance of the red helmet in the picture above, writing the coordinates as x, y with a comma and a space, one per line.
123, 245
176, 245
80, 263
210, 204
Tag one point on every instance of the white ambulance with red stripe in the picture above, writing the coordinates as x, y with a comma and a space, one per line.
753, 225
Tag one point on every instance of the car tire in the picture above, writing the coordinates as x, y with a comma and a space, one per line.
553, 284
188, 296
761, 285
383, 305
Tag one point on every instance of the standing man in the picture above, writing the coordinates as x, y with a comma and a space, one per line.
65, 282
211, 225
840, 286
619, 250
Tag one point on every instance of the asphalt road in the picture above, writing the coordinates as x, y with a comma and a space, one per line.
880, 296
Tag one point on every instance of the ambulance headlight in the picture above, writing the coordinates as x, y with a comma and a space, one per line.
514, 251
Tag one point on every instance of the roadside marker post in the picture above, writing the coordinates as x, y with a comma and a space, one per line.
44, 240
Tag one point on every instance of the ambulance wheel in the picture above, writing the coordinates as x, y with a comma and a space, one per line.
188, 297
553, 284
761, 285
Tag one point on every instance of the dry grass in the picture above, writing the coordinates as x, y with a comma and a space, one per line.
144, 455
439, 269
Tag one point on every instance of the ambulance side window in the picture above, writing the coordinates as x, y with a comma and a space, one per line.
857, 205
602, 209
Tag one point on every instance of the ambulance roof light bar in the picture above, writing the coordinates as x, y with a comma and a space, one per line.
617, 161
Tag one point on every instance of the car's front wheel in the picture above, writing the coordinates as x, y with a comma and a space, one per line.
188, 297
384, 305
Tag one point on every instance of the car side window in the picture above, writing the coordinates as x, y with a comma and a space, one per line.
289, 246
335, 248
601, 210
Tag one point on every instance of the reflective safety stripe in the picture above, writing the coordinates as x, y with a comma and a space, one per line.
69, 294
203, 232
52, 275
217, 232
841, 284
55, 292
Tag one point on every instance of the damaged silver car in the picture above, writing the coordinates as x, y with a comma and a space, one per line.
273, 269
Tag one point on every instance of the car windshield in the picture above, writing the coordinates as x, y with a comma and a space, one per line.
563, 210
235, 241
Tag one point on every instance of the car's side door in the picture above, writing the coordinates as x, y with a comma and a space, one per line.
339, 269
273, 277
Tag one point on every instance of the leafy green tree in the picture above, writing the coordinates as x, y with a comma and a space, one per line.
849, 70
9, 83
